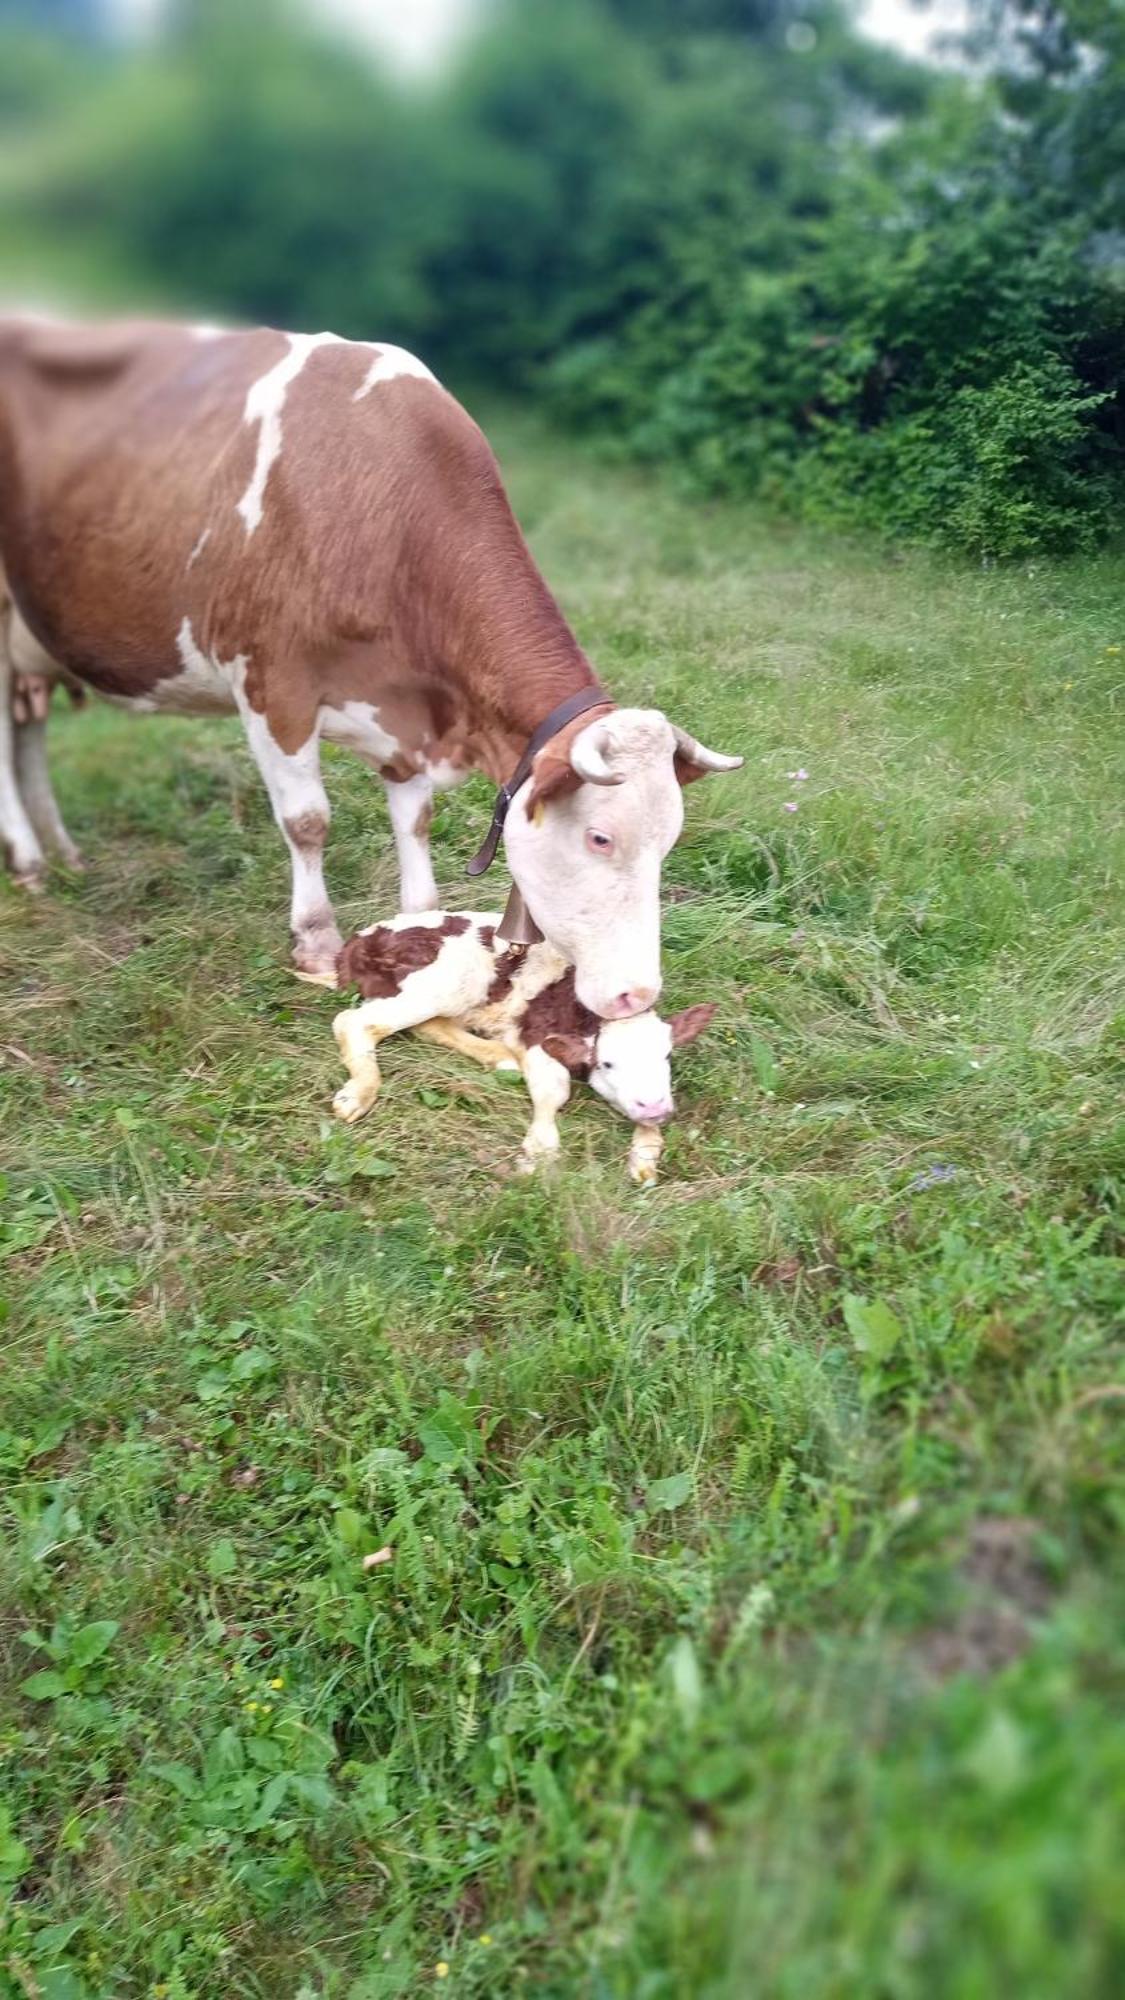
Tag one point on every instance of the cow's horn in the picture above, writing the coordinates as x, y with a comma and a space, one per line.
708, 760
587, 758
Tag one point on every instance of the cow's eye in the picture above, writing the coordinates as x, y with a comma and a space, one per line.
599, 842
605, 1065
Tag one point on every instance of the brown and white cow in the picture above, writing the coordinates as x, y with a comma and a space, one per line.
312, 533
450, 978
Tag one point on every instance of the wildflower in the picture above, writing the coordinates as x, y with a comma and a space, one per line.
441, 1969
251, 1707
789, 806
486, 1937
799, 775
278, 1681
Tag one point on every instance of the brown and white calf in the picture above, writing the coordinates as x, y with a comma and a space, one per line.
311, 533
450, 978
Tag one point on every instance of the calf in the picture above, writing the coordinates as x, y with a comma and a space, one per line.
451, 979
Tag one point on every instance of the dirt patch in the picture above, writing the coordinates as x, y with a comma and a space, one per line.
1006, 1590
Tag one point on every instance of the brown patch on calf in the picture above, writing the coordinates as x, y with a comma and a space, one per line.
424, 821
556, 1016
507, 966
378, 962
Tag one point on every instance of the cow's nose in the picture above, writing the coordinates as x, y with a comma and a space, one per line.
656, 1113
637, 1000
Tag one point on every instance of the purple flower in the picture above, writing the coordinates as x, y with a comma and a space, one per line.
934, 1176
789, 806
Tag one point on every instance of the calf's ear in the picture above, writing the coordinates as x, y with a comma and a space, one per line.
686, 1026
574, 1052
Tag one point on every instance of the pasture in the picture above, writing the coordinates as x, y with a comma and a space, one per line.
753, 1623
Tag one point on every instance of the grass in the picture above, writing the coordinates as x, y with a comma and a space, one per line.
753, 1623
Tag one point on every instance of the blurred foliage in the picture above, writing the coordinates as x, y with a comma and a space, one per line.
727, 233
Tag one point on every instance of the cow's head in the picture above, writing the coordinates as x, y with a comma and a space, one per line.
585, 838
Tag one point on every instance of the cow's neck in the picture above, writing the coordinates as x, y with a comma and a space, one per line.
513, 658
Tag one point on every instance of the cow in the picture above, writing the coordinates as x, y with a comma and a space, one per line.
311, 533
453, 979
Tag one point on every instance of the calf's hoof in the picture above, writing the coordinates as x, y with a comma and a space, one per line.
30, 879
350, 1102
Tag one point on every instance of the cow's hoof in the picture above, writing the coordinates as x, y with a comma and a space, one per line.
318, 954
350, 1102
30, 879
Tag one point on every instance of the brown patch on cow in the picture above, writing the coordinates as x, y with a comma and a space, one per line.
387, 567
557, 1011
308, 831
1007, 1591
424, 821
378, 962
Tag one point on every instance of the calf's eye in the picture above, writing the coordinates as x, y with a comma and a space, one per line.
599, 842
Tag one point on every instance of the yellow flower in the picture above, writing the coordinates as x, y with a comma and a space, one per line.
267, 1708
278, 1681
486, 1937
441, 1969
251, 1707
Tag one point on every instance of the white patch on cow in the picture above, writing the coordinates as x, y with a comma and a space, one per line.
301, 809
199, 548
444, 775
409, 803
264, 404
388, 365
206, 686
355, 726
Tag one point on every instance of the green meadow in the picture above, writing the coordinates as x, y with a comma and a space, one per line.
753, 1620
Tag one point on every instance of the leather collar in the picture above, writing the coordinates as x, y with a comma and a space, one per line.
575, 704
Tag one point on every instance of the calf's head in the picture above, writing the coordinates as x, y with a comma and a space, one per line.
629, 1061
585, 839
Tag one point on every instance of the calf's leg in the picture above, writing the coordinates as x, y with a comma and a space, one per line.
301, 809
447, 1034
549, 1086
410, 804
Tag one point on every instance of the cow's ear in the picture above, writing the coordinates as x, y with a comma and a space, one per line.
686, 770
574, 1052
686, 1026
551, 776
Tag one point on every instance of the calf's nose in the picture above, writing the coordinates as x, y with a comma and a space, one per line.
656, 1113
637, 1000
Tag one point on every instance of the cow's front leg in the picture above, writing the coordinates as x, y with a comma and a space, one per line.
548, 1084
301, 809
410, 803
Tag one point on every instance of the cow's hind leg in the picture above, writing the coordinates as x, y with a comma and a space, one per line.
301, 809
410, 804
34, 778
17, 834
